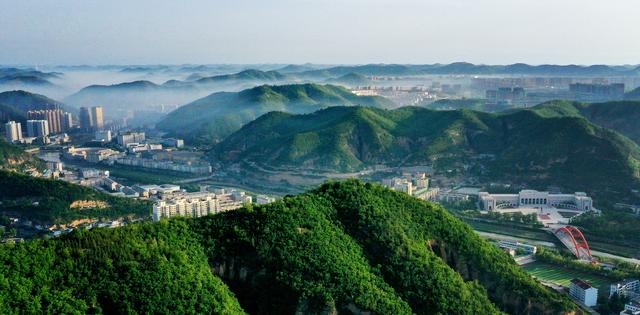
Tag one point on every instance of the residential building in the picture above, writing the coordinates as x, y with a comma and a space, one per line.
97, 119
186, 167
172, 142
57, 119
628, 287
37, 128
85, 118
13, 131
583, 292
130, 137
263, 200
103, 135
198, 204
632, 308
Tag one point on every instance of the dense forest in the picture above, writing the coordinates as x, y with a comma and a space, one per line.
345, 247
49, 201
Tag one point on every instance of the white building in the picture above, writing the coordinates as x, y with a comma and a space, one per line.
632, 308
103, 135
37, 128
13, 131
131, 137
629, 288
583, 292
198, 204
263, 200
536, 199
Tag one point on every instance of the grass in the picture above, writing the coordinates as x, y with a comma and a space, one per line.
562, 276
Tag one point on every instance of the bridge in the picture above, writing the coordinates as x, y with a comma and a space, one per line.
574, 240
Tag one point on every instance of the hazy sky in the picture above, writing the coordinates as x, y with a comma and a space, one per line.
330, 31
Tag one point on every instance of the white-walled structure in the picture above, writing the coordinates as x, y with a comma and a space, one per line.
578, 201
583, 292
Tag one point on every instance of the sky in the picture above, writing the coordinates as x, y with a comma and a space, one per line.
47, 32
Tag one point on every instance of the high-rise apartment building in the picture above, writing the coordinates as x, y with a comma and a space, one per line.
85, 118
91, 118
13, 131
57, 119
97, 120
37, 128
67, 121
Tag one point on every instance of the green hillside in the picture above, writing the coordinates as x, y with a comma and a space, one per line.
16, 104
14, 158
622, 116
49, 201
633, 95
212, 118
521, 147
346, 247
351, 79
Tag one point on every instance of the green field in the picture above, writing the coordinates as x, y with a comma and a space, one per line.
562, 276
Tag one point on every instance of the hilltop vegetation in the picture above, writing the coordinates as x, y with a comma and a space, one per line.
22, 101
351, 79
50, 201
346, 246
521, 147
210, 119
14, 158
622, 116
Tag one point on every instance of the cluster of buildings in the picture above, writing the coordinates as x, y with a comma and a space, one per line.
36, 130
597, 91
505, 94
198, 204
631, 290
193, 167
57, 120
413, 184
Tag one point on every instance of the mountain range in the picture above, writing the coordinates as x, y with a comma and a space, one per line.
212, 118
523, 146
15, 77
345, 247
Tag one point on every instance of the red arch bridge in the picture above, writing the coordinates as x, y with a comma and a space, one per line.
574, 240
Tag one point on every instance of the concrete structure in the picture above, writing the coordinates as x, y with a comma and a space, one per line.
538, 199
13, 131
629, 288
186, 167
530, 249
171, 142
103, 135
37, 128
91, 118
583, 292
93, 155
97, 119
263, 200
632, 308
198, 204
130, 137
85, 118
57, 119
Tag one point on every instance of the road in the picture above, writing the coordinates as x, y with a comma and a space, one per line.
549, 244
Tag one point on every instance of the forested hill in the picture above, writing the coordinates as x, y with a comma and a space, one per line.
621, 116
14, 158
521, 147
15, 104
346, 247
55, 201
210, 119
